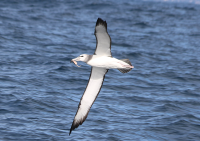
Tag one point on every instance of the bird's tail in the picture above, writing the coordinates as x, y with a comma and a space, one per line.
127, 69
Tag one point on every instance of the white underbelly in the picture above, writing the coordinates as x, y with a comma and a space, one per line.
106, 62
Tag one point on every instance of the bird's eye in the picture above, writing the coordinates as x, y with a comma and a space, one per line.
81, 56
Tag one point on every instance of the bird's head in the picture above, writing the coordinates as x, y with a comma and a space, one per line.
82, 57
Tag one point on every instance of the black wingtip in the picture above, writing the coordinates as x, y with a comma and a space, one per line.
72, 128
102, 22
70, 131
74, 125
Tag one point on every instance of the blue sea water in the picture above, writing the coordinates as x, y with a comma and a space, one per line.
159, 100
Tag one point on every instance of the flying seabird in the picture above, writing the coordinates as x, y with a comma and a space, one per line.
101, 61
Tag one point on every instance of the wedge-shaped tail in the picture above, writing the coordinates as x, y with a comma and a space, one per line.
128, 69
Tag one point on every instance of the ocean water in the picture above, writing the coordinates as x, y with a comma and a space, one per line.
159, 100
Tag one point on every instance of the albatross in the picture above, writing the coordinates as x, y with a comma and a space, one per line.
101, 61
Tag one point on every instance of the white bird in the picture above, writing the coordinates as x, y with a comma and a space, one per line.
101, 61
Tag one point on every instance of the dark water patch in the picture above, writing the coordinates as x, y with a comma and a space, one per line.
155, 11
195, 34
62, 69
96, 5
4, 111
191, 93
142, 24
136, 99
168, 107
185, 8
137, 9
136, 54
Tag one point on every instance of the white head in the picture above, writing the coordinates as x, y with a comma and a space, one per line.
83, 57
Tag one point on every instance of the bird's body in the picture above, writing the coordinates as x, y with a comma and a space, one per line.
108, 62
100, 62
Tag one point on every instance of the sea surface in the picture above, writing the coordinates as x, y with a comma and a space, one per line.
159, 100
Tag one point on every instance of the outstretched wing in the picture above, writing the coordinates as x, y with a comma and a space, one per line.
103, 46
91, 92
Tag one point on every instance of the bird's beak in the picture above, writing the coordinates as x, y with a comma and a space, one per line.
74, 61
